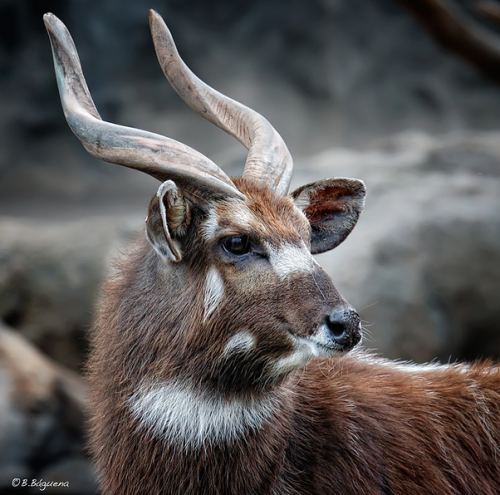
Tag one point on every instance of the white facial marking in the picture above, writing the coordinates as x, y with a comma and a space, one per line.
214, 291
305, 351
240, 343
288, 259
240, 215
190, 418
319, 344
322, 337
211, 225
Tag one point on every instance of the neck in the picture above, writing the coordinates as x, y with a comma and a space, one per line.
191, 417
211, 443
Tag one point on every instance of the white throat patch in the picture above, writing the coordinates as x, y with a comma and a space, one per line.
190, 418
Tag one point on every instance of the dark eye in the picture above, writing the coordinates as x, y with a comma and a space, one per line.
237, 245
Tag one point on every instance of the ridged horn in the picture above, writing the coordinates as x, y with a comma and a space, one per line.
269, 162
156, 155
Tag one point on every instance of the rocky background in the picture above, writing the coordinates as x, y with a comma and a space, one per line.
356, 87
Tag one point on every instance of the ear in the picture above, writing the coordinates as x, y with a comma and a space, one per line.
169, 216
332, 207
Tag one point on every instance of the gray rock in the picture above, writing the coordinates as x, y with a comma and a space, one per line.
49, 278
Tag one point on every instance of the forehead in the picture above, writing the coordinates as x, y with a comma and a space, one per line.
271, 217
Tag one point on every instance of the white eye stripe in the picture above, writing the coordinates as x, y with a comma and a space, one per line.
240, 216
211, 225
288, 259
243, 216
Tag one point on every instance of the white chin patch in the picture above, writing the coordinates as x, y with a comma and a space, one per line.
322, 340
306, 349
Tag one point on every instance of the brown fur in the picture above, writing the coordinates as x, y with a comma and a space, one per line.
349, 425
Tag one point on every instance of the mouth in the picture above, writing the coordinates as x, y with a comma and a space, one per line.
306, 349
320, 345
330, 351
317, 349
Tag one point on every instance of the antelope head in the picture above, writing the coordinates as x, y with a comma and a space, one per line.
237, 297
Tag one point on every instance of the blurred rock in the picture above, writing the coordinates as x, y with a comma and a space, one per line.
49, 278
42, 409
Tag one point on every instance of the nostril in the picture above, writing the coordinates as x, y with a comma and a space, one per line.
344, 326
337, 327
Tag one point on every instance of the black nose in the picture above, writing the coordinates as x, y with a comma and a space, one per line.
345, 327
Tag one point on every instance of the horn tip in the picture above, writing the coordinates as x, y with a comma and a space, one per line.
160, 33
50, 20
55, 27
154, 18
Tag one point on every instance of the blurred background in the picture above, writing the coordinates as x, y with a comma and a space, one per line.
403, 94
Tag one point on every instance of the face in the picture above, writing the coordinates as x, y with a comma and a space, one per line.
266, 303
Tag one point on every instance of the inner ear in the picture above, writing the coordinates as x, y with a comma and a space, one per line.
169, 216
332, 207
